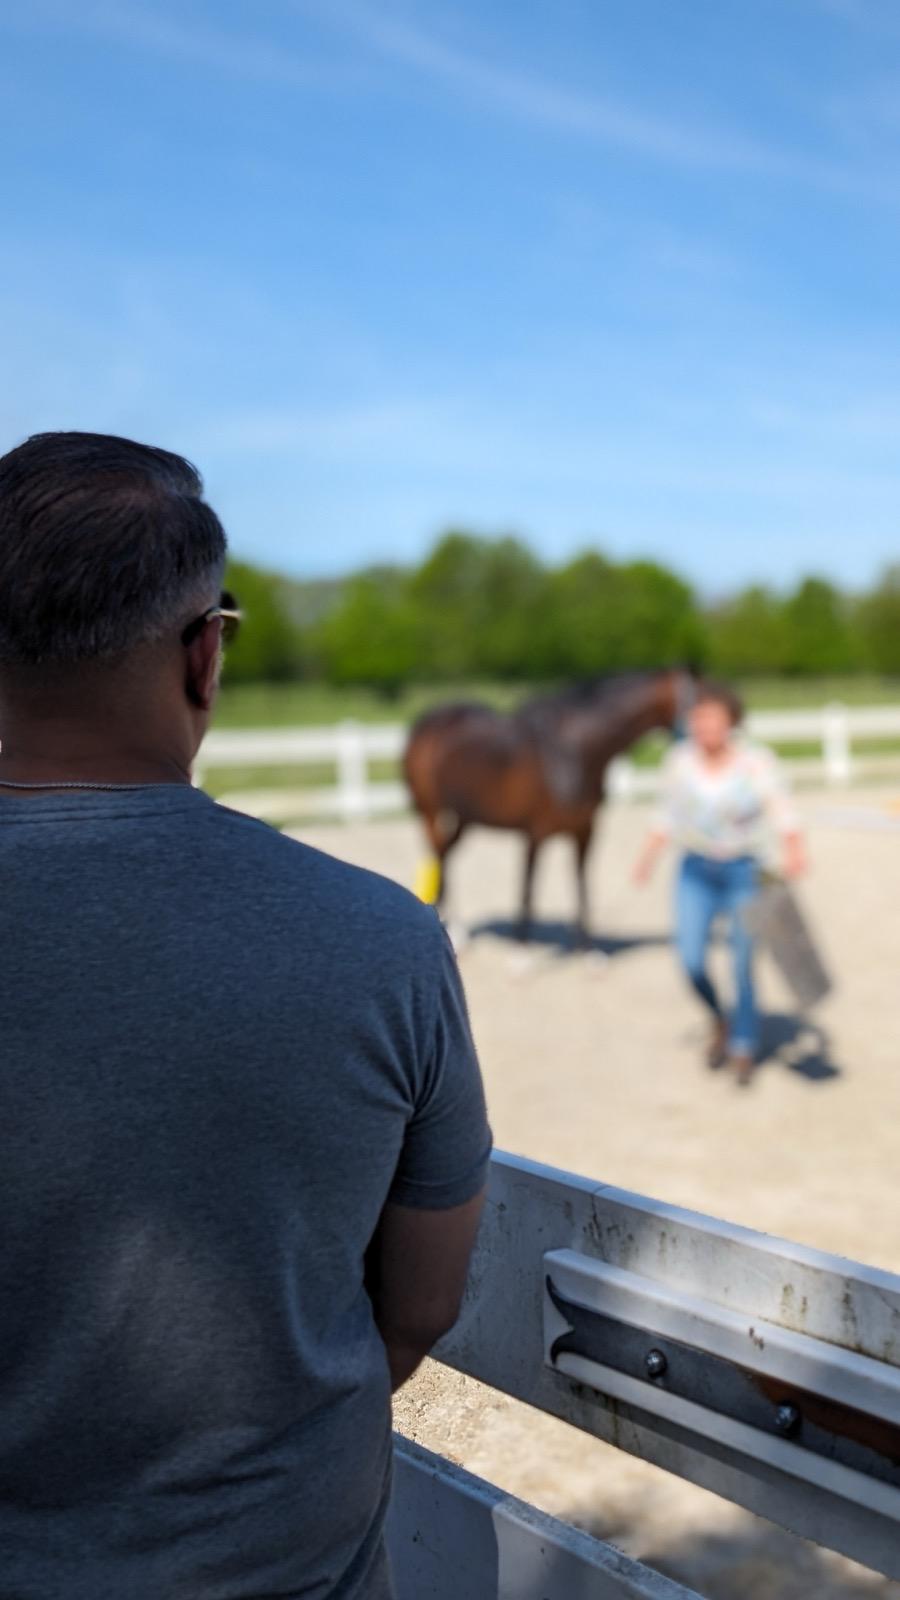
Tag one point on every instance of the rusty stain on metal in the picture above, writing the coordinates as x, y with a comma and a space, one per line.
827, 1427
831, 1415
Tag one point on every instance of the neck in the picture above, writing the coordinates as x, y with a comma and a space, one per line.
137, 721
52, 751
642, 720
648, 708
645, 708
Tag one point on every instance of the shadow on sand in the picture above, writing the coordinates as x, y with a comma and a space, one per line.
562, 938
800, 1045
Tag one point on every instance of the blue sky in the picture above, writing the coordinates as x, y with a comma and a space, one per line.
615, 272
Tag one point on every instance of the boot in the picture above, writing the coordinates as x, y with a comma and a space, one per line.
717, 1051
742, 1065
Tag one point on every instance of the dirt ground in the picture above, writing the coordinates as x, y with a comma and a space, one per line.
592, 1062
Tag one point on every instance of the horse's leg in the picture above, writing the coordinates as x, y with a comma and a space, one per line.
582, 842
531, 850
444, 831
443, 852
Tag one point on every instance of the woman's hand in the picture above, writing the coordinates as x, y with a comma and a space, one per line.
795, 862
646, 861
643, 869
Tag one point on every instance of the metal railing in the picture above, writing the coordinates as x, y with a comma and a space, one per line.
350, 748
765, 1371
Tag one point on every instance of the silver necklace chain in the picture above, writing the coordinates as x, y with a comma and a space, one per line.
10, 783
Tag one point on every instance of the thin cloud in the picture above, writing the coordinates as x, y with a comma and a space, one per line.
873, 18
595, 117
464, 445
346, 433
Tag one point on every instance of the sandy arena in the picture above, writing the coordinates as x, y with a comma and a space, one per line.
593, 1062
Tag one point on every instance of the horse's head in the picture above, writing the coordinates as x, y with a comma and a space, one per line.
679, 696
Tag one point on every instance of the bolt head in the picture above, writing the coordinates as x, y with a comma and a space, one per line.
787, 1419
655, 1363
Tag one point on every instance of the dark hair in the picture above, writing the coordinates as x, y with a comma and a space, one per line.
711, 691
104, 544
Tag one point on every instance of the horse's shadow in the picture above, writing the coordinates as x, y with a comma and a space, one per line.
799, 1044
562, 938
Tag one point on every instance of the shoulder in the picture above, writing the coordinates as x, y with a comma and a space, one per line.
679, 760
757, 758
314, 884
763, 770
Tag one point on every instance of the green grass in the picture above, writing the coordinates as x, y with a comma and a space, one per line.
219, 781
297, 705
782, 694
274, 705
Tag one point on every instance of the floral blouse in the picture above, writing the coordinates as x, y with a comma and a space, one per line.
729, 812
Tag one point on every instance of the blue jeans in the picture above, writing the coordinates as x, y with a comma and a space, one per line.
707, 889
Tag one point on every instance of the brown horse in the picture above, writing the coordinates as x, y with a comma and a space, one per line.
540, 770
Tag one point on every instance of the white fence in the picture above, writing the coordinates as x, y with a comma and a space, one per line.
350, 747
765, 1371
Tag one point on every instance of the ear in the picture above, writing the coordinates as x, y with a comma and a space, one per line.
203, 665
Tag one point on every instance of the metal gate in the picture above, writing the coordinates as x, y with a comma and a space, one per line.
765, 1371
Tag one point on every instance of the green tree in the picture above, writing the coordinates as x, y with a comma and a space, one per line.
445, 592
878, 619
659, 624
748, 634
578, 634
820, 633
372, 636
511, 603
269, 646
479, 602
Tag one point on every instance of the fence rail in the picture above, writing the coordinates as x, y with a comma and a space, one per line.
351, 747
454, 1537
766, 1371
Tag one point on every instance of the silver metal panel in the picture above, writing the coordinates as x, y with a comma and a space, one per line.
855, 1444
452, 1536
850, 1308
753, 1343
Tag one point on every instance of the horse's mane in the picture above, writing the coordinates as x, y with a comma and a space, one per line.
586, 692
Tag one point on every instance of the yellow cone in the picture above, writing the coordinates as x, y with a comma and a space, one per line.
428, 880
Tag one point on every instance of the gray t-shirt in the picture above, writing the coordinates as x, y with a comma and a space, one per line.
221, 1052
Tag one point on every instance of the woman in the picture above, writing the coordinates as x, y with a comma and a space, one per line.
723, 799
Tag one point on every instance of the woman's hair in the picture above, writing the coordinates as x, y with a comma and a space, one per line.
104, 544
711, 691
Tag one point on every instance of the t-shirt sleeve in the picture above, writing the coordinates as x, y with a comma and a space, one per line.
775, 792
444, 1158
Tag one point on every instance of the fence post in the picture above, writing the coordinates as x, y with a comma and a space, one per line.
836, 744
621, 778
352, 772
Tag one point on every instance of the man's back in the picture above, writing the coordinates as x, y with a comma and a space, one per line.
221, 1054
